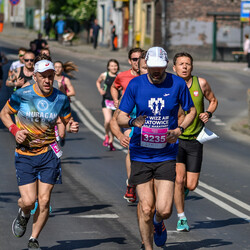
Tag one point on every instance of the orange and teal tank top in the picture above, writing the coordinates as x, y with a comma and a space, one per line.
194, 129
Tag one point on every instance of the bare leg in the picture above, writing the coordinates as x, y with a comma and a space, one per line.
192, 180
107, 113
42, 213
28, 197
164, 200
179, 187
146, 212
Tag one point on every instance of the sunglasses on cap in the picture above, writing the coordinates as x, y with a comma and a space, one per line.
134, 59
20, 55
31, 60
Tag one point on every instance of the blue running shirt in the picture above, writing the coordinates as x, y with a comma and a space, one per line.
160, 102
38, 114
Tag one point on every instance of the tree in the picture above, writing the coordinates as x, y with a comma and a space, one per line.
81, 10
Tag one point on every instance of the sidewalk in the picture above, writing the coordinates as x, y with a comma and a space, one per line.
21, 38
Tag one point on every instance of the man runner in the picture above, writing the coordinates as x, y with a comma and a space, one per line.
37, 156
22, 74
121, 82
190, 152
153, 148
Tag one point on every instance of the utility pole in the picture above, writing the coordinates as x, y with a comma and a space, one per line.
163, 23
42, 16
131, 24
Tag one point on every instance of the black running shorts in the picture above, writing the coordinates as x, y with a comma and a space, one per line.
142, 172
190, 153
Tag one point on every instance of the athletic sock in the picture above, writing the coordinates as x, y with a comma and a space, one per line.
32, 238
181, 216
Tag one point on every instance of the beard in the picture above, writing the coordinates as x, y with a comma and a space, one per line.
157, 77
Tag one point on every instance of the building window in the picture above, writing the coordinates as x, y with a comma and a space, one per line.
148, 24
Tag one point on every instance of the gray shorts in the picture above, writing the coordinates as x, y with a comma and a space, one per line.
142, 172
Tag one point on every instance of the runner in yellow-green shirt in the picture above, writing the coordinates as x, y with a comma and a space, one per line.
189, 158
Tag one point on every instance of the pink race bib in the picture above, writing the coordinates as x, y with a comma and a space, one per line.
153, 137
110, 104
56, 149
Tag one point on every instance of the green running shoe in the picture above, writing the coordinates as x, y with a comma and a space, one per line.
182, 225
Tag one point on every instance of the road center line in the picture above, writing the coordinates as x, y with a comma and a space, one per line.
225, 196
223, 205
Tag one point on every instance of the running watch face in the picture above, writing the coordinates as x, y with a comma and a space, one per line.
38, 114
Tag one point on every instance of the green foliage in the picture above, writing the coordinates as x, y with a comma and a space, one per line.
81, 10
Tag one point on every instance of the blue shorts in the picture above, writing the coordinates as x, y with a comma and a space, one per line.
45, 167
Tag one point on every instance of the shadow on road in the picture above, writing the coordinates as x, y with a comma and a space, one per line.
80, 244
78, 210
218, 223
208, 243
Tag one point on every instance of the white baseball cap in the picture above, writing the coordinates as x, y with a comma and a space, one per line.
43, 65
156, 57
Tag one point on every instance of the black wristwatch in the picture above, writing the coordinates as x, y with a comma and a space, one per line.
182, 129
209, 114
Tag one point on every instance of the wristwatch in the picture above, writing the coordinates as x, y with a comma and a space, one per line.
209, 114
182, 129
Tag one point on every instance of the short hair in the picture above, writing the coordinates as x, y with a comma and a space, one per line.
143, 56
134, 50
41, 51
181, 54
29, 52
115, 61
41, 57
246, 36
22, 49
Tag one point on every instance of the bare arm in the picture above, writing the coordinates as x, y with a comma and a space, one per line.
71, 125
123, 120
115, 129
98, 84
188, 119
209, 95
5, 116
115, 94
14, 80
71, 89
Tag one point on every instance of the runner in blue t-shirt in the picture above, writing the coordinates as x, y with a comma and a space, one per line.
37, 157
153, 146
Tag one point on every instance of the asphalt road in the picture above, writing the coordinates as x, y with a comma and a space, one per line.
88, 209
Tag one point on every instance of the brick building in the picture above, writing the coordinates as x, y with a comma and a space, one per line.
190, 28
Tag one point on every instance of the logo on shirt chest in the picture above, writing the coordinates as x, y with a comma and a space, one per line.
156, 105
42, 105
196, 93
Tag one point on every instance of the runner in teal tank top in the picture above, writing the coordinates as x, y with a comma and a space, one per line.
189, 158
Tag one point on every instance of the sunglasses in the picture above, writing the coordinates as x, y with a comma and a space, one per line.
20, 55
135, 59
31, 60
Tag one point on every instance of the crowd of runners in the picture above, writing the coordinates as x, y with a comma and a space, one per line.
157, 115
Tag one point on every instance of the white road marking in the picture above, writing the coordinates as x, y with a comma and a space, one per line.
99, 216
225, 196
223, 205
220, 124
77, 105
